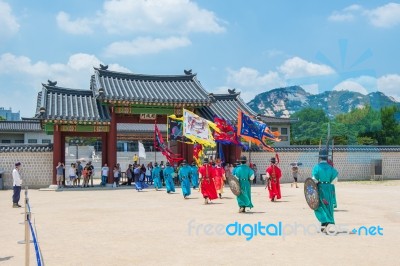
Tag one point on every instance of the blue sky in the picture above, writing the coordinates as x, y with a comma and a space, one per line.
253, 46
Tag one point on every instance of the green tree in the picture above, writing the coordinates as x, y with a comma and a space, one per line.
308, 130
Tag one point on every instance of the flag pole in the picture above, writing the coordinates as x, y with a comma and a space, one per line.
154, 143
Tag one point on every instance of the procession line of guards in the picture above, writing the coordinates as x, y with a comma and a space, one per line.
210, 180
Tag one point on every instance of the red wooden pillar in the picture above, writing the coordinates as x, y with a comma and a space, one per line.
112, 145
189, 157
57, 151
104, 149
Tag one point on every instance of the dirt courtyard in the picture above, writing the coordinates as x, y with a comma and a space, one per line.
126, 227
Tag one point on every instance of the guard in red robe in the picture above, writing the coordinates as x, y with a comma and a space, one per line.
219, 178
274, 175
207, 187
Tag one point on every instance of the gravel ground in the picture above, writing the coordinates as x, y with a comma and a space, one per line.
126, 227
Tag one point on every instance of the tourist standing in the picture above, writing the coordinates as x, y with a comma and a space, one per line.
60, 174
135, 159
17, 182
72, 175
79, 169
149, 168
254, 167
85, 174
142, 178
244, 174
129, 174
295, 173
184, 177
104, 174
155, 175
207, 186
91, 173
168, 176
194, 175
274, 175
116, 176
324, 174
219, 178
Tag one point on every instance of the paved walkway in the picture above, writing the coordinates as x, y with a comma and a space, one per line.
126, 227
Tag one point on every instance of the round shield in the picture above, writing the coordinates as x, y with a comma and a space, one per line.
234, 185
311, 193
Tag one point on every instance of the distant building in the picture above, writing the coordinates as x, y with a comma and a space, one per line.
9, 115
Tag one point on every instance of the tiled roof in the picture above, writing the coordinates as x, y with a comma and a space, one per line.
70, 104
140, 128
26, 148
276, 120
20, 126
148, 89
225, 106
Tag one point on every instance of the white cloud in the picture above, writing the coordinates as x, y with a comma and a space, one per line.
349, 85
297, 67
390, 85
346, 14
249, 77
146, 45
8, 22
168, 16
26, 77
251, 82
385, 16
78, 26
125, 17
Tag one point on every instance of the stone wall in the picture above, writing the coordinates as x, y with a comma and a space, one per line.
36, 168
351, 165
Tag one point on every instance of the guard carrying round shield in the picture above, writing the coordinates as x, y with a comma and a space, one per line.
323, 174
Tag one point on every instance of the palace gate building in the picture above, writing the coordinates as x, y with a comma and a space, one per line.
120, 100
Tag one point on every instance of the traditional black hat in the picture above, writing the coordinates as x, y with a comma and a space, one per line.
205, 160
184, 162
273, 160
243, 159
323, 154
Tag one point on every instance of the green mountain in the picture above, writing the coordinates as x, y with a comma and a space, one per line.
282, 102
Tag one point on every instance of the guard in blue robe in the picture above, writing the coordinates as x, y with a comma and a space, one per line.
184, 177
169, 178
155, 174
194, 175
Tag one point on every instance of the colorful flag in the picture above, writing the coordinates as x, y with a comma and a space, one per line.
159, 144
197, 153
175, 130
197, 129
255, 131
226, 134
142, 151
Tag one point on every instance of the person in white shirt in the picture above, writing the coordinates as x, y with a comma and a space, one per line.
72, 174
17, 182
104, 174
